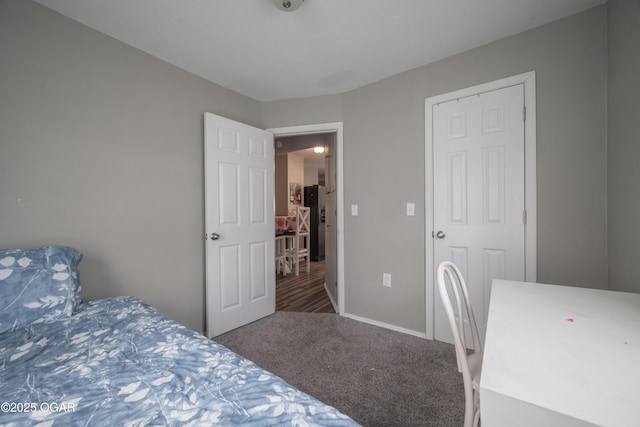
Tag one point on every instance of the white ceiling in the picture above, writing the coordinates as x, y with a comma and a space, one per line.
325, 47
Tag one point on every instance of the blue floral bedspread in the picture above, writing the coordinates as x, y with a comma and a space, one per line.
118, 362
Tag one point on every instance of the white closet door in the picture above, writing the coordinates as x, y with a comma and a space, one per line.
479, 198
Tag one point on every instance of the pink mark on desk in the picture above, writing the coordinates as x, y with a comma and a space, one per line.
570, 319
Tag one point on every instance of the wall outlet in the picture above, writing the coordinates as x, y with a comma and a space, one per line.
386, 280
354, 210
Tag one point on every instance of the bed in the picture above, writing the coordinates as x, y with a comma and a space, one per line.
118, 361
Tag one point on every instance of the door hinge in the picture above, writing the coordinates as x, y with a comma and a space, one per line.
524, 114
524, 217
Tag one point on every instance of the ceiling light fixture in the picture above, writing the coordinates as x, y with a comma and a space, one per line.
288, 5
318, 150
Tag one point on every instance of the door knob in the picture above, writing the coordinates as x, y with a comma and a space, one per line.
215, 236
440, 235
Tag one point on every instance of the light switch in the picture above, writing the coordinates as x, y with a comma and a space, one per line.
354, 210
411, 209
386, 280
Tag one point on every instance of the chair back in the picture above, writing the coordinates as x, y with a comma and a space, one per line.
302, 220
450, 277
303, 237
469, 363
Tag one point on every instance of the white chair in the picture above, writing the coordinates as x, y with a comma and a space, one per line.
469, 361
301, 242
282, 257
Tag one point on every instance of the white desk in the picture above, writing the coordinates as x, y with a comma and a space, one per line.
560, 356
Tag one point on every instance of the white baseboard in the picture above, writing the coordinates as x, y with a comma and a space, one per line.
333, 301
386, 326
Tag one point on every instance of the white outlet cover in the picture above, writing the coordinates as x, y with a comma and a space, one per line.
411, 209
354, 210
386, 279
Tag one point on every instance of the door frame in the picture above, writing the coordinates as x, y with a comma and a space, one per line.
328, 128
528, 79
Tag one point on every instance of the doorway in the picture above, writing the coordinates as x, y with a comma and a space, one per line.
305, 293
436, 197
330, 271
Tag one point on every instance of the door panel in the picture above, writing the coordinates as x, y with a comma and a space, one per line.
257, 192
259, 271
230, 276
240, 272
457, 188
228, 193
478, 155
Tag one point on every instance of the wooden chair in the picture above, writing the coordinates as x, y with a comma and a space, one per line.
302, 240
469, 361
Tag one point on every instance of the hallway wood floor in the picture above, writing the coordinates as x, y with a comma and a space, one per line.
304, 293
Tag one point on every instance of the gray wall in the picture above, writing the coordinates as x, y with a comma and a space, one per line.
302, 111
624, 145
384, 163
101, 148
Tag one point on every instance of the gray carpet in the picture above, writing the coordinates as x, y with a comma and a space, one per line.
376, 376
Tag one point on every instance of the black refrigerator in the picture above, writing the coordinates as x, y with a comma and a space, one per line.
314, 200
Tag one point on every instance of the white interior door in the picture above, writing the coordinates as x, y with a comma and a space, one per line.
479, 198
239, 224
